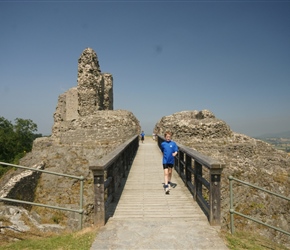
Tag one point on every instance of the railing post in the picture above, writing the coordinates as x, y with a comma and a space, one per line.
126, 162
117, 174
187, 166
81, 202
231, 205
197, 182
99, 204
181, 159
177, 163
215, 195
110, 191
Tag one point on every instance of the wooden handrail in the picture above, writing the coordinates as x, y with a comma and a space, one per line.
189, 164
108, 172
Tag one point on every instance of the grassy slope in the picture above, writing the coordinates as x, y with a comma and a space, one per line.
83, 240
249, 240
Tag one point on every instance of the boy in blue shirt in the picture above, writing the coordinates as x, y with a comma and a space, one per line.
169, 150
142, 136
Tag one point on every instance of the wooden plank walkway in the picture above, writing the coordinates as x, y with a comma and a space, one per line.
146, 218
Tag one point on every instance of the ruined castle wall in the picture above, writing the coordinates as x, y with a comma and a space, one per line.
95, 89
85, 129
71, 107
108, 91
245, 158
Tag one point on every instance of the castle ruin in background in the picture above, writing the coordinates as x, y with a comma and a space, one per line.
94, 92
85, 129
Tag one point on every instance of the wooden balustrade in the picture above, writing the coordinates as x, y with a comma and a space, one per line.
202, 176
108, 173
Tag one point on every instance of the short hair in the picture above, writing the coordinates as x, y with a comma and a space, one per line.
168, 133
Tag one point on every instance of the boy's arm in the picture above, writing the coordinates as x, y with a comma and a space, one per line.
175, 150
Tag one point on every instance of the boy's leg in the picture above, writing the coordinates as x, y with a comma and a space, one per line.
169, 174
170, 184
166, 181
166, 176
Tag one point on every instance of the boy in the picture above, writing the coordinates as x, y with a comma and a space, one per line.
169, 150
142, 136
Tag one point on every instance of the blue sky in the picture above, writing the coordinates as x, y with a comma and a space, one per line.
230, 57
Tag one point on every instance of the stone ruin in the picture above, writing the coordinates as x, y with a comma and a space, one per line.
93, 93
85, 129
85, 115
245, 158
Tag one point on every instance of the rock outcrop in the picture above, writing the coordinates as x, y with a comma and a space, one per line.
247, 159
85, 129
21, 180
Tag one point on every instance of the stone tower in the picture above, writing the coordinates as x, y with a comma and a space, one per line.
95, 90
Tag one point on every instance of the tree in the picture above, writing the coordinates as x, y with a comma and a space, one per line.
15, 140
24, 134
7, 145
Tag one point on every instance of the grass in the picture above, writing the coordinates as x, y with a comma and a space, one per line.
81, 240
250, 241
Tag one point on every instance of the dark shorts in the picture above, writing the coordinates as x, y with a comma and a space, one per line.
142, 138
167, 166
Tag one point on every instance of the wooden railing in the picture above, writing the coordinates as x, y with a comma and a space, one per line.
108, 173
202, 176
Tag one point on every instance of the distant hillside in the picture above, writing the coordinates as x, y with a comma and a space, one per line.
275, 135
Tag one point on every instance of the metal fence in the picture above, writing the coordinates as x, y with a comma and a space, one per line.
232, 210
80, 178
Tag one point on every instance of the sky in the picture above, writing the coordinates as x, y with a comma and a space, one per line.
229, 57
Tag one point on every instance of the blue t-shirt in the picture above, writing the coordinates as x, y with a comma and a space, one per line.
168, 148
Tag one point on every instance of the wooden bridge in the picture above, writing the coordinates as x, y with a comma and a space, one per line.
140, 215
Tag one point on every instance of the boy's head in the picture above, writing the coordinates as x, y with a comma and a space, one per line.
167, 135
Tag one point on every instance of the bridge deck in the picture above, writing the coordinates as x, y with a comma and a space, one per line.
146, 218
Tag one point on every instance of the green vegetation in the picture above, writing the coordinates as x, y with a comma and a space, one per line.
15, 140
250, 241
83, 240
79, 241
278, 143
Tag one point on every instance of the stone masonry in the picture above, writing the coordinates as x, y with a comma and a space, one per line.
245, 158
85, 129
